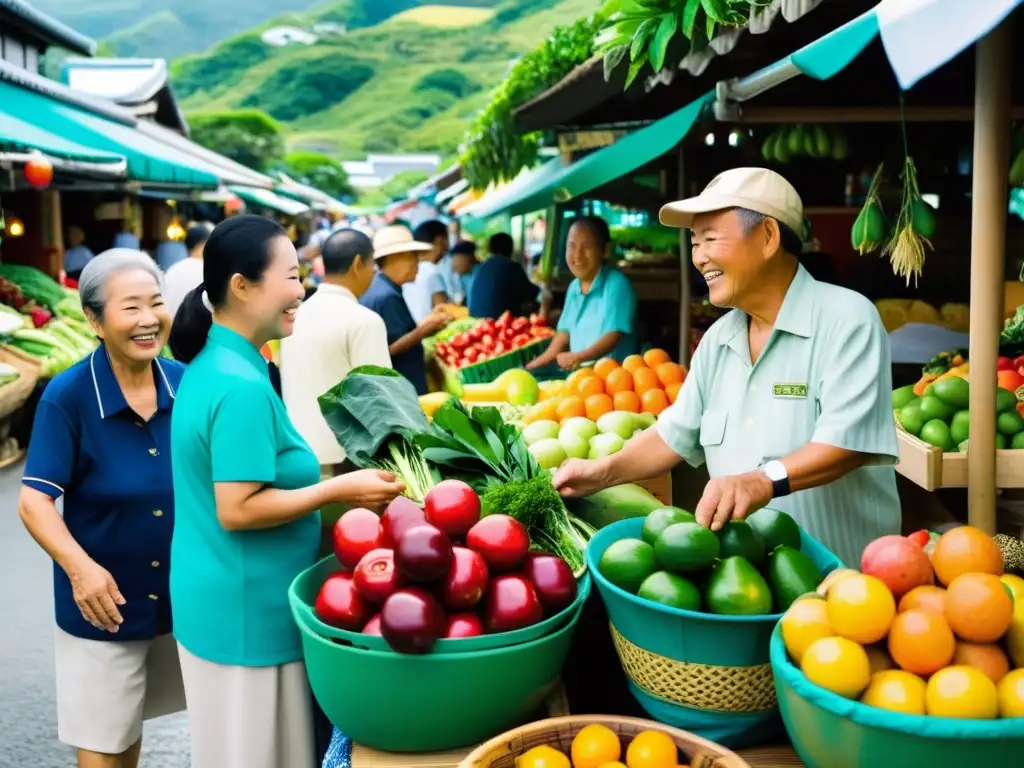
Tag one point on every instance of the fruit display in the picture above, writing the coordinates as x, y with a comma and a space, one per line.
598, 746
414, 575
578, 437
935, 630
751, 567
940, 416
815, 141
641, 384
488, 339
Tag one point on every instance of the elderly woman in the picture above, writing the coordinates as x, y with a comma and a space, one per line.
102, 440
248, 489
599, 318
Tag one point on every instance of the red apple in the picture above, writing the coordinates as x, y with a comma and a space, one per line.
340, 605
466, 580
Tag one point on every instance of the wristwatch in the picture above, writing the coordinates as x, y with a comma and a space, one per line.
776, 472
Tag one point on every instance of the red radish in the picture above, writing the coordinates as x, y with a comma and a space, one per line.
339, 605
501, 540
412, 620
423, 553
357, 532
898, 562
552, 577
452, 506
466, 580
376, 577
464, 625
401, 514
372, 627
512, 603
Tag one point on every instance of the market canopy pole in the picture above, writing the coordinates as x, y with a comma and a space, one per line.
993, 69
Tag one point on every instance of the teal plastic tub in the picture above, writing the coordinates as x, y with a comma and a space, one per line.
702, 672
830, 731
404, 703
304, 589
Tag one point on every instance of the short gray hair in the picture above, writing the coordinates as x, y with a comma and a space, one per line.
93, 281
792, 242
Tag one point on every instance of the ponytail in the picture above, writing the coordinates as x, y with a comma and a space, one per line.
191, 326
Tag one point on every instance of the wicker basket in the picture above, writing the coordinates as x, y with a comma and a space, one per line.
558, 732
14, 394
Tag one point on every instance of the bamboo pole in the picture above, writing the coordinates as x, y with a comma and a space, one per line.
685, 288
988, 252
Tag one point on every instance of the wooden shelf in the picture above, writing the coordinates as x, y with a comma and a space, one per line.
931, 468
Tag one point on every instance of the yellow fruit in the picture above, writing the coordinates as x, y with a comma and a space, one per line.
551, 389
1010, 692
962, 692
543, 757
613, 765
861, 608
834, 578
879, 659
1016, 585
805, 622
838, 665
594, 746
1015, 635
897, 691
652, 749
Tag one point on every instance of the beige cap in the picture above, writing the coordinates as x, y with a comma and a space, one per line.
396, 239
757, 189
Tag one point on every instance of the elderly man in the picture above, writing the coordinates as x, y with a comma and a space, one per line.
788, 396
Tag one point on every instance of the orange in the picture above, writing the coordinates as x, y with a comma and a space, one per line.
551, 389
926, 598
654, 401
987, 657
619, 380
616, 764
670, 373
921, 642
594, 746
861, 608
651, 749
655, 357
965, 550
645, 379
879, 659
602, 368
543, 757
978, 607
589, 385
838, 665
626, 401
963, 692
896, 691
804, 622
1011, 694
574, 377
570, 406
542, 411
672, 391
633, 363
598, 405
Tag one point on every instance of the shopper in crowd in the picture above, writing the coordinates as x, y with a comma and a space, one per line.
427, 291
185, 275
102, 441
458, 269
788, 396
397, 255
599, 317
248, 492
77, 254
500, 285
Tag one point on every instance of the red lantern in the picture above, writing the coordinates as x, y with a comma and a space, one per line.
39, 173
233, 205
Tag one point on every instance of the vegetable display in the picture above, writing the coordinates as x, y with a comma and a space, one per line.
580, 438
814, 141
487, 339
597, 745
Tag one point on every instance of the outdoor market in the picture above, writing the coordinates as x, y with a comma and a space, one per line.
678, 423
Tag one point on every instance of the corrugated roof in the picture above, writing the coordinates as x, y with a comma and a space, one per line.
48, 28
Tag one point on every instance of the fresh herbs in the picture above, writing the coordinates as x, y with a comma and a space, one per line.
915, 224
405, 461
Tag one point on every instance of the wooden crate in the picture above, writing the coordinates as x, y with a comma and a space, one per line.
931, 467
659, 487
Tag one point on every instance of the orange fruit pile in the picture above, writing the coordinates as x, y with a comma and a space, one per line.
647, 383
950, 649
598, 746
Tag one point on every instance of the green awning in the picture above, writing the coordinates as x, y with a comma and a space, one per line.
267, 199
148, 160
552, 183
17, 135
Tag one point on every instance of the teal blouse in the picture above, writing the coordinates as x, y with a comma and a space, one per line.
609, 306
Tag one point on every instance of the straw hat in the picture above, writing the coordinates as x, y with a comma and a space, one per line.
396, 239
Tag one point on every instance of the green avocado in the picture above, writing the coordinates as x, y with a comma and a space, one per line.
670, 589
737, 537
660, 519
686, 547
953, 391
791, 574
1005, 400
776, 528
903, 396
626, 564
736, 588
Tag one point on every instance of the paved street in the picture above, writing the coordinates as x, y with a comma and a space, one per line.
28, 726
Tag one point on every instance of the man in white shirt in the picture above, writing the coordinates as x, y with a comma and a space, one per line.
333, 334
186, 275
427, 291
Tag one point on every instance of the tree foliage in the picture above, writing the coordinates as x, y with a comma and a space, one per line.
233, 59
247, 136
451, 81
319, 170
308, 86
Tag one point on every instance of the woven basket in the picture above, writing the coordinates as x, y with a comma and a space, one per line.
558, 732
14, 394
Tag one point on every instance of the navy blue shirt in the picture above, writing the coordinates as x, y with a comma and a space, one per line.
385, 298
500, 285
114, 471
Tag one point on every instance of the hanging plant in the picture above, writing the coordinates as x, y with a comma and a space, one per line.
643, 29
869, 229
914, 226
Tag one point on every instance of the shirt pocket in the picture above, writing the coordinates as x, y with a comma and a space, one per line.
789, 424
712, 428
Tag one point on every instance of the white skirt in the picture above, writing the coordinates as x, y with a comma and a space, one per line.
105, 689
248, 717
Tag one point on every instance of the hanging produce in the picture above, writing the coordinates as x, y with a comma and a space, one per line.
914, 226
39, 173
869, 229
814, 141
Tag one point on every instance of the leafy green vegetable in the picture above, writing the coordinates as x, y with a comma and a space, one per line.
1012, 337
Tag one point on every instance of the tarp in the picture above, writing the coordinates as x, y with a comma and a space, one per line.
267, 199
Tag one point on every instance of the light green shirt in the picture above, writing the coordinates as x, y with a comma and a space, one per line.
824, 377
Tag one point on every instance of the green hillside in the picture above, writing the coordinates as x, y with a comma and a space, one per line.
411, 82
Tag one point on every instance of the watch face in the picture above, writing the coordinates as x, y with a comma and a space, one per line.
775, 470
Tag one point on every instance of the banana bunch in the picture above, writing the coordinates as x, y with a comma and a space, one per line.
1017, 158
817, 141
